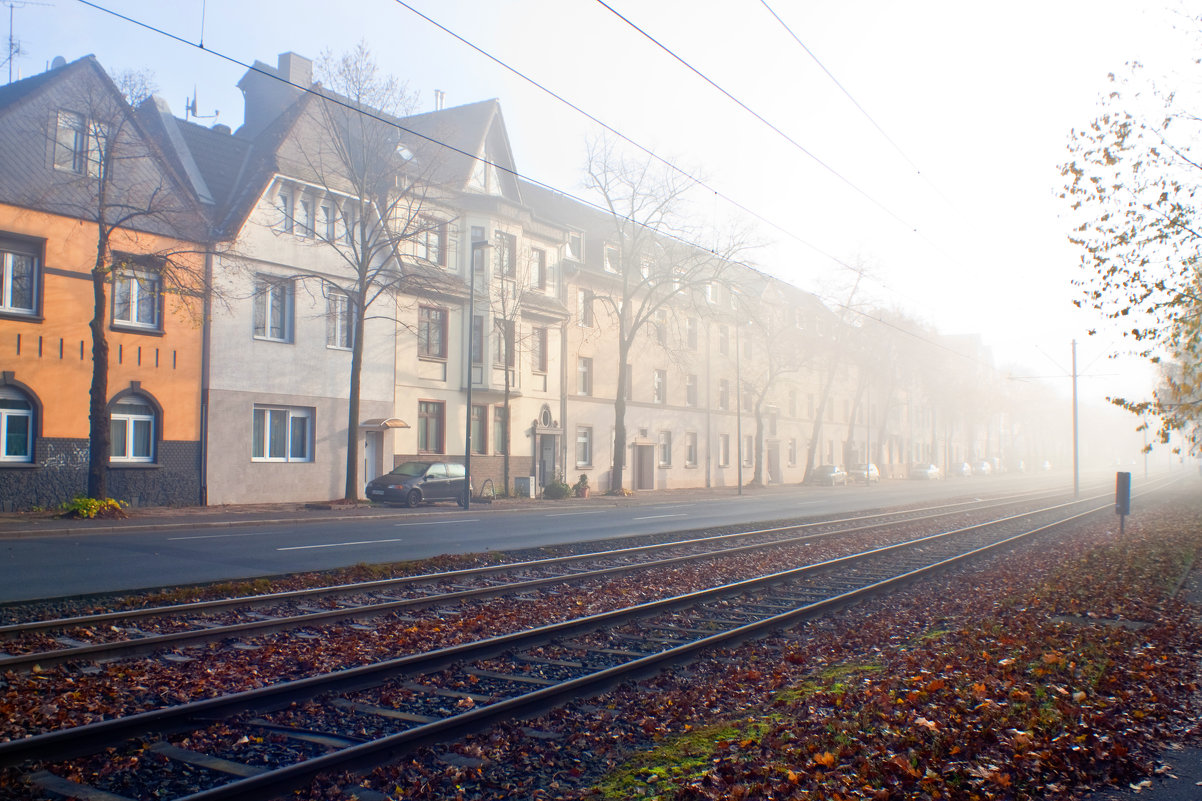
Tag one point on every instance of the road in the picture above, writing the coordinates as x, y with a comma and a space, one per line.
118, 560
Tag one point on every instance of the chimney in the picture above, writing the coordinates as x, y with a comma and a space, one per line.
296, 70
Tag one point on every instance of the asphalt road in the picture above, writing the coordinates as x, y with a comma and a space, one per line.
117, 560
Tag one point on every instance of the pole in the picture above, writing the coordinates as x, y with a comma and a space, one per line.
471, 337
1076, 465
738, 408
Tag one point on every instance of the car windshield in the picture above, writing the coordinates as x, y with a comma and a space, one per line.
410, 469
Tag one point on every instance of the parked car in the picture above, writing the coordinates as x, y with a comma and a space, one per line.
964, 469
411, 483
982, 468
868, 473
925, 471
828, 475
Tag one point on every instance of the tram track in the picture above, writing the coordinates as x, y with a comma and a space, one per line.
121, 634
579, 656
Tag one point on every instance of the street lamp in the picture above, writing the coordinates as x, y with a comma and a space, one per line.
469, 348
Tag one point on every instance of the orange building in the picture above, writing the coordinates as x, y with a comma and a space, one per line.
64, 133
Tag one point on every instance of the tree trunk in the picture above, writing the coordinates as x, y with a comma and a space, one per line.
351, 491
99, 445
617, 474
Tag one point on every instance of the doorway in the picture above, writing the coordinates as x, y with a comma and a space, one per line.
372, 446
546, 458
644, 460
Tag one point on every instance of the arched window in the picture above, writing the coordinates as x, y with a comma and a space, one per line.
132, 429
16, 426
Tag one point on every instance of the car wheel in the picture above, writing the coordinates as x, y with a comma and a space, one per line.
413, 498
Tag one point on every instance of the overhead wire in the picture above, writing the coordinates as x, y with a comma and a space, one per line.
476, 157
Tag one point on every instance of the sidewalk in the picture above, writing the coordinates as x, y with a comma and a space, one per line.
26, 524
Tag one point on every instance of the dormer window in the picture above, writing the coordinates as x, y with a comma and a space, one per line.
575, 248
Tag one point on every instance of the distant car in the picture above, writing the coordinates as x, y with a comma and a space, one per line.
828, 475
964, 469
868, 473
925, 471
982, 468
411, 483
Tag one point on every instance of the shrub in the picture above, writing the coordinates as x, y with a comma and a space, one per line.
556, 489
90, 508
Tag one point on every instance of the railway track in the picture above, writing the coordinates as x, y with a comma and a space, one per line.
257, 744
127, 633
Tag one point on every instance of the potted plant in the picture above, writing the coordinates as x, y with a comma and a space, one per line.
581, 486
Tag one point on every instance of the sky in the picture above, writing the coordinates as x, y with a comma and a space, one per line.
931, 157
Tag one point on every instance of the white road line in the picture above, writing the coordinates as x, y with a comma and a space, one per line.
219, 536
336, 544
437, 522
653, 517
572, 514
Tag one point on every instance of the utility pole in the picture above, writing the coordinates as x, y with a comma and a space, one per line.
1076, 466
14, 47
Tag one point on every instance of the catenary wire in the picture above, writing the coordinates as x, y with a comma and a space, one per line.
393, 123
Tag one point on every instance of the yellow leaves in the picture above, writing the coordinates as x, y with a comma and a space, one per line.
826, 759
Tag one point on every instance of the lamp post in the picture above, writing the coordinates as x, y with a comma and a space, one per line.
470, 349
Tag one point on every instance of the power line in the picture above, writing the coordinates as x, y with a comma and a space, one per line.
760, 118
554, 190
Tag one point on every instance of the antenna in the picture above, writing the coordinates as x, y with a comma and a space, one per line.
14, 45
190, 109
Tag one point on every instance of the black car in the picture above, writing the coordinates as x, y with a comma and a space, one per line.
411, 483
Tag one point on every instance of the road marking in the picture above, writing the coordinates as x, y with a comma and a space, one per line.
218, 536
673, 506
437, 522
335, 544
571, 514
653, 517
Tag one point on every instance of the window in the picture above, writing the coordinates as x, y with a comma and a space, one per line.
284, 204
306, 217
329, 228
661, 327
613, 259
478, 339
659, 386
18, 278
723, 393
479, 429
350, 229
575, 248
273, 309
281, 434
690, 390
748, 449
690, 449
711, 295
16, 426
539, 350
792, 452
723, 340
507, 254
748, 398
432, 241
665, 449
77, 145
506, 343
628, 369
584, 376
724, 450
691, 332
136, 298
584, 446
131, 430
792, 403
538, 269
584, 308
431, 333
340, 326
500, 430
431, 425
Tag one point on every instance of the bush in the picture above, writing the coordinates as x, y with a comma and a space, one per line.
556, 489
90, 508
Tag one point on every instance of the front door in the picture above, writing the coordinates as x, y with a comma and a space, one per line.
372, 442
546, 458
644, 473
772, 461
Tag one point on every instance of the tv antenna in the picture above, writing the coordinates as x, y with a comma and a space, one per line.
14, 45
190, 109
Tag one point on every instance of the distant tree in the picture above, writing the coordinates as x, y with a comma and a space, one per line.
109, 172
1133, 184
650, 266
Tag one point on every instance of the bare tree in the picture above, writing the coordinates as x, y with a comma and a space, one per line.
650, 265
350, 143
108, 171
